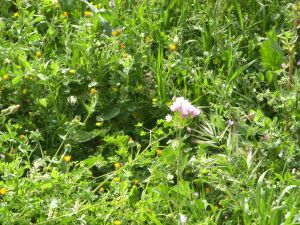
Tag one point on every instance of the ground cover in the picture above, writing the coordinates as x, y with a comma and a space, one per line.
149, 112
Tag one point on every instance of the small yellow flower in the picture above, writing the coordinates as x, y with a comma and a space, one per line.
116, 179
122, 46
3, 191
87, 13
99, 124
66, 14
135, 181
114, 33
117, 165
16, 14
159, 152
172, 47
101, 190
5, 77
38, 54
72, 71
67, 158
93, 91
117, 222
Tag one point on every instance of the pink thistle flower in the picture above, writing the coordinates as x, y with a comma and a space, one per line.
184, 107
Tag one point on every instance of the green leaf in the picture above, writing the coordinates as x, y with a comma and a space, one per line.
271, 52
286, 190
81, 136
109, 113
269, 76
241, 70
16, 80
43, 102
183, 188
94, 160
154, 219
84, 136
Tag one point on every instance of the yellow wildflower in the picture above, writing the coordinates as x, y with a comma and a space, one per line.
117, 222
38, 54
116, 179
117, 165
5, 77
72, 71
3, 191
114, 33
16, 14
67, 158
99, 124
87, 13
93, 91
172, 47
135, 181
159, 152
66, 14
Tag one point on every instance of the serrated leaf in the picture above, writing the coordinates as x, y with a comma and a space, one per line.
271, 52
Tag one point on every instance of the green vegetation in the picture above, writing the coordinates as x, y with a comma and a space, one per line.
93, 132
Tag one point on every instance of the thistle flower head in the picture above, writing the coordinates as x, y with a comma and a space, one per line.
184, 107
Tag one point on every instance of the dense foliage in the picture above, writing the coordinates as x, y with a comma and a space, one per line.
93, 132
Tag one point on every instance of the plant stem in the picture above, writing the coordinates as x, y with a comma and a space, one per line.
179, 175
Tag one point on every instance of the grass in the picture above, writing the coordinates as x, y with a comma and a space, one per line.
85, 88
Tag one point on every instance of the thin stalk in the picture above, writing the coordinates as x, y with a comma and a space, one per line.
179, 174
